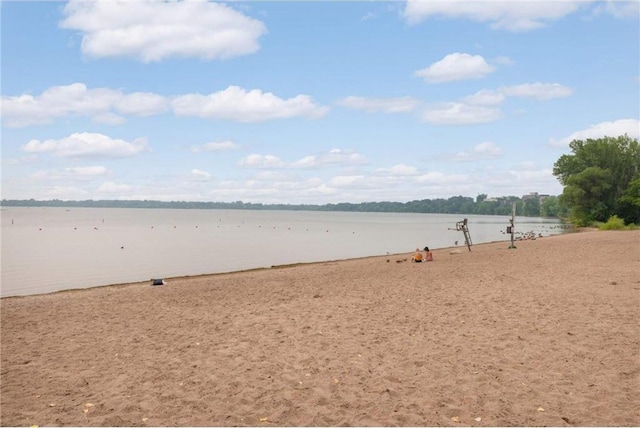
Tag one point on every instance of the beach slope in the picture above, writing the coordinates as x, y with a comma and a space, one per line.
545, 334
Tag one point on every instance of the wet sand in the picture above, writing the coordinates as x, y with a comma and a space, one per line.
545, 334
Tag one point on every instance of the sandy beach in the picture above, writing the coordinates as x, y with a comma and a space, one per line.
547, 334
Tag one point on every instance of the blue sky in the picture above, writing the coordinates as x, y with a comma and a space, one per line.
308, 102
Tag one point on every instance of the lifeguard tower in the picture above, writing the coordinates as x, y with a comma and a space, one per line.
464, 228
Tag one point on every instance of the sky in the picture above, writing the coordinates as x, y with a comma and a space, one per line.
308, 102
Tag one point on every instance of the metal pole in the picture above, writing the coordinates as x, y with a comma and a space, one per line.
513, 215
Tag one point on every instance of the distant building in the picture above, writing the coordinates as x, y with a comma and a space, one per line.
535, 195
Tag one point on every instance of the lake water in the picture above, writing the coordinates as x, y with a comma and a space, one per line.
52, 249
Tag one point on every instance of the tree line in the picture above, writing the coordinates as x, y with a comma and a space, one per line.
531, 206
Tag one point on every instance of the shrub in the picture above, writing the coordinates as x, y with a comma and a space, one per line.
614, 223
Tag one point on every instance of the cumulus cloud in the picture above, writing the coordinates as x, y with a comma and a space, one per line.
510, 15
88, 145
619, 8
386, 105
109, 119
456, 66
88, 171
485, 97
270, 175
631, 127
200, 175
333, 157
77, 100
238, 104
460, 114
398, 170
539, 91
480, 107
261, 161
215, 146
106, 105
141, 104
154, 30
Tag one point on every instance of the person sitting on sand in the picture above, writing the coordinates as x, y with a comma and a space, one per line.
417, 256
428, 255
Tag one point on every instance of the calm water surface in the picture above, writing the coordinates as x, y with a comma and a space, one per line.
52, 249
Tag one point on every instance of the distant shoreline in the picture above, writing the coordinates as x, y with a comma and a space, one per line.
453, 205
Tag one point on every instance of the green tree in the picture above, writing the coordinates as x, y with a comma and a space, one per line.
587, 194
629, 203
551, 207
531, 207
596, 176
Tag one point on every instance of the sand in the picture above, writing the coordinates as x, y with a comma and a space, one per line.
545, 334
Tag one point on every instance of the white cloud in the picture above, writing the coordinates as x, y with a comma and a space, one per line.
460, 114
631, 127
488, 149
485, 97
57, 101
215, 146
480, 107
511, 15
236, 103
386, 105
88, 171
109, 119
154, 30
333, 157
539, 91
200, 175
113, 188
106, 105
141, 104
76, 99
368, 16
88, 145
270, 175
456, 66
621, 9
398, 170
261, 161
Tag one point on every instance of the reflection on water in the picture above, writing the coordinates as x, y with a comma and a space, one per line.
50, 249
